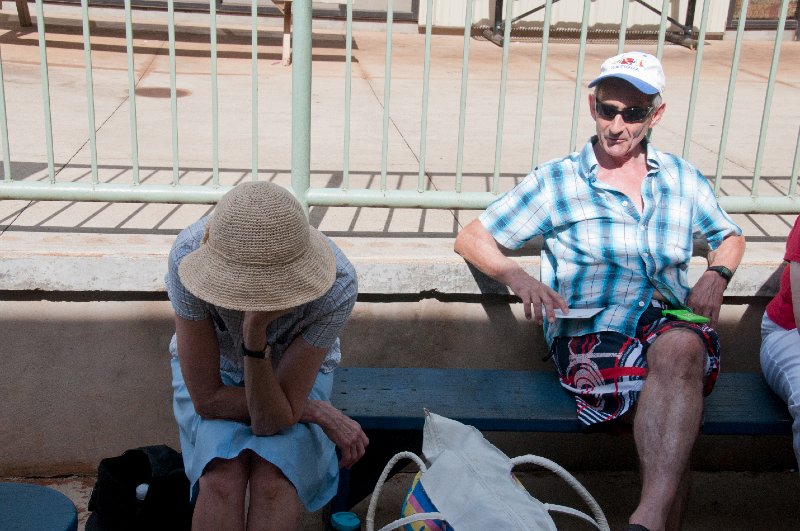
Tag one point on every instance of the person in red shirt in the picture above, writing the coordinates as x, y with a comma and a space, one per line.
780, 341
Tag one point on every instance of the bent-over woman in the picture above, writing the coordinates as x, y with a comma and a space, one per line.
260, 298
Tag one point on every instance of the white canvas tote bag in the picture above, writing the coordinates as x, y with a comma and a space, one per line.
471, 487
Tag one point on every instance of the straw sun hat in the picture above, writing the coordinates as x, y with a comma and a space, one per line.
259, 253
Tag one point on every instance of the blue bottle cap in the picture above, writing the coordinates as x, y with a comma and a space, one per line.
345, 521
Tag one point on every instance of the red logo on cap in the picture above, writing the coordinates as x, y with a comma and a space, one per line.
627, 61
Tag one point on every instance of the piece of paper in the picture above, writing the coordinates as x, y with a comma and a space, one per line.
578, 313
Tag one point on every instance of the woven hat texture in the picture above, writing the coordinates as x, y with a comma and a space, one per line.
259, 253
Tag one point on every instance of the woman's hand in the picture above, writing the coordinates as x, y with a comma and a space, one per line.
254, 327
345, 433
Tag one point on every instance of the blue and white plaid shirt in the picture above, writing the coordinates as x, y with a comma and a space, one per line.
599, 252
319, 322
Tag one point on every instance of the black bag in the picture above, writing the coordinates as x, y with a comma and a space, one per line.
166, 506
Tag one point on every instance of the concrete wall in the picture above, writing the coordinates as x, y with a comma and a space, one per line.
82, 380
85, 324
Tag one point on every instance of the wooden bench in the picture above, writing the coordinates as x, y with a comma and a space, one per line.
496, 400
285, 6
389, 404
22, 13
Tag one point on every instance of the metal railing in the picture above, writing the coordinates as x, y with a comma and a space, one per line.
426, 193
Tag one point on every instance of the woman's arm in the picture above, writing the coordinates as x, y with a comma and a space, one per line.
277, 396
198, 353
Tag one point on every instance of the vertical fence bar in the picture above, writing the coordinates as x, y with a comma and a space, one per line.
173, 92
214, 94
131, 93
254, 87
4, 127
348, 74
623, 26
48, 124
387, 90
426, 71
662, 29
579, 75
773, 71
723, 141
698, 60
501, 106
301, 99
795, 166
87, 50
537, 128
462, 112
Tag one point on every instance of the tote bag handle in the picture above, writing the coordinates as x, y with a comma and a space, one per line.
599, 520
373, 502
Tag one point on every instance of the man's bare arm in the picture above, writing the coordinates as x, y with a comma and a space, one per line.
479, 248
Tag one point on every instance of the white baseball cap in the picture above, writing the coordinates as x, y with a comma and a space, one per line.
640, 69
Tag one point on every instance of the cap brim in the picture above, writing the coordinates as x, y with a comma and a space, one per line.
247, 287
641, 86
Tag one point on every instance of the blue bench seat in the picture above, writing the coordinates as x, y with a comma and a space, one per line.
498, 400
389, 403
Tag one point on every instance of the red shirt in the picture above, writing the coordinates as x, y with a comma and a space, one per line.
780, 308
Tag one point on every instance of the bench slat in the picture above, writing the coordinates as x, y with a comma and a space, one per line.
743, 404
496, 400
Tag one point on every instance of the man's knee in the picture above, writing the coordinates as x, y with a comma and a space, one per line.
679, 353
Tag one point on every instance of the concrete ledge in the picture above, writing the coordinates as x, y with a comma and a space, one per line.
406, 266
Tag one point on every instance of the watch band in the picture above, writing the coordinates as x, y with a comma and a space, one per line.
723, 271
257, 354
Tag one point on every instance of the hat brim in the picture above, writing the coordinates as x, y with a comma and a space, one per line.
247, 287
641, 86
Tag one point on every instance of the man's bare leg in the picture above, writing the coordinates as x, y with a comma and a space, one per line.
678, 510
667, 423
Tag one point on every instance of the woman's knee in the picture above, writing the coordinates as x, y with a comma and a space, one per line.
226, 478
268, 480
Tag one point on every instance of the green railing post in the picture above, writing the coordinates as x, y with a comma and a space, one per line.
301, 100
48, 123
4, 127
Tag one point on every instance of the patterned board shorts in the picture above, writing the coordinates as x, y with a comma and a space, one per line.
606, 370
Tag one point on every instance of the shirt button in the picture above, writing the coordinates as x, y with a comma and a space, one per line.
624, 203
641, 304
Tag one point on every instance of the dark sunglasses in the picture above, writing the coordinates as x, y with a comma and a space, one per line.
630, 115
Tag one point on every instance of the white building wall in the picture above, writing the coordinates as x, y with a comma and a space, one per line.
451, 13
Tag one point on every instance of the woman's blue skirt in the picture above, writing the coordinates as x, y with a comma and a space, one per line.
302, 452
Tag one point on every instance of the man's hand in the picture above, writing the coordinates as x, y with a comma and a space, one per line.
345, 433
706, 296
534, 295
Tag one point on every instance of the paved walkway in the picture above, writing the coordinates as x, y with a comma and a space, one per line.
109, 229
20, 56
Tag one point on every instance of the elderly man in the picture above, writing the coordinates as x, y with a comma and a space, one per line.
618, 220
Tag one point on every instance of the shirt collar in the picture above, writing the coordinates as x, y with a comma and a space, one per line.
587, 160
653, 161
